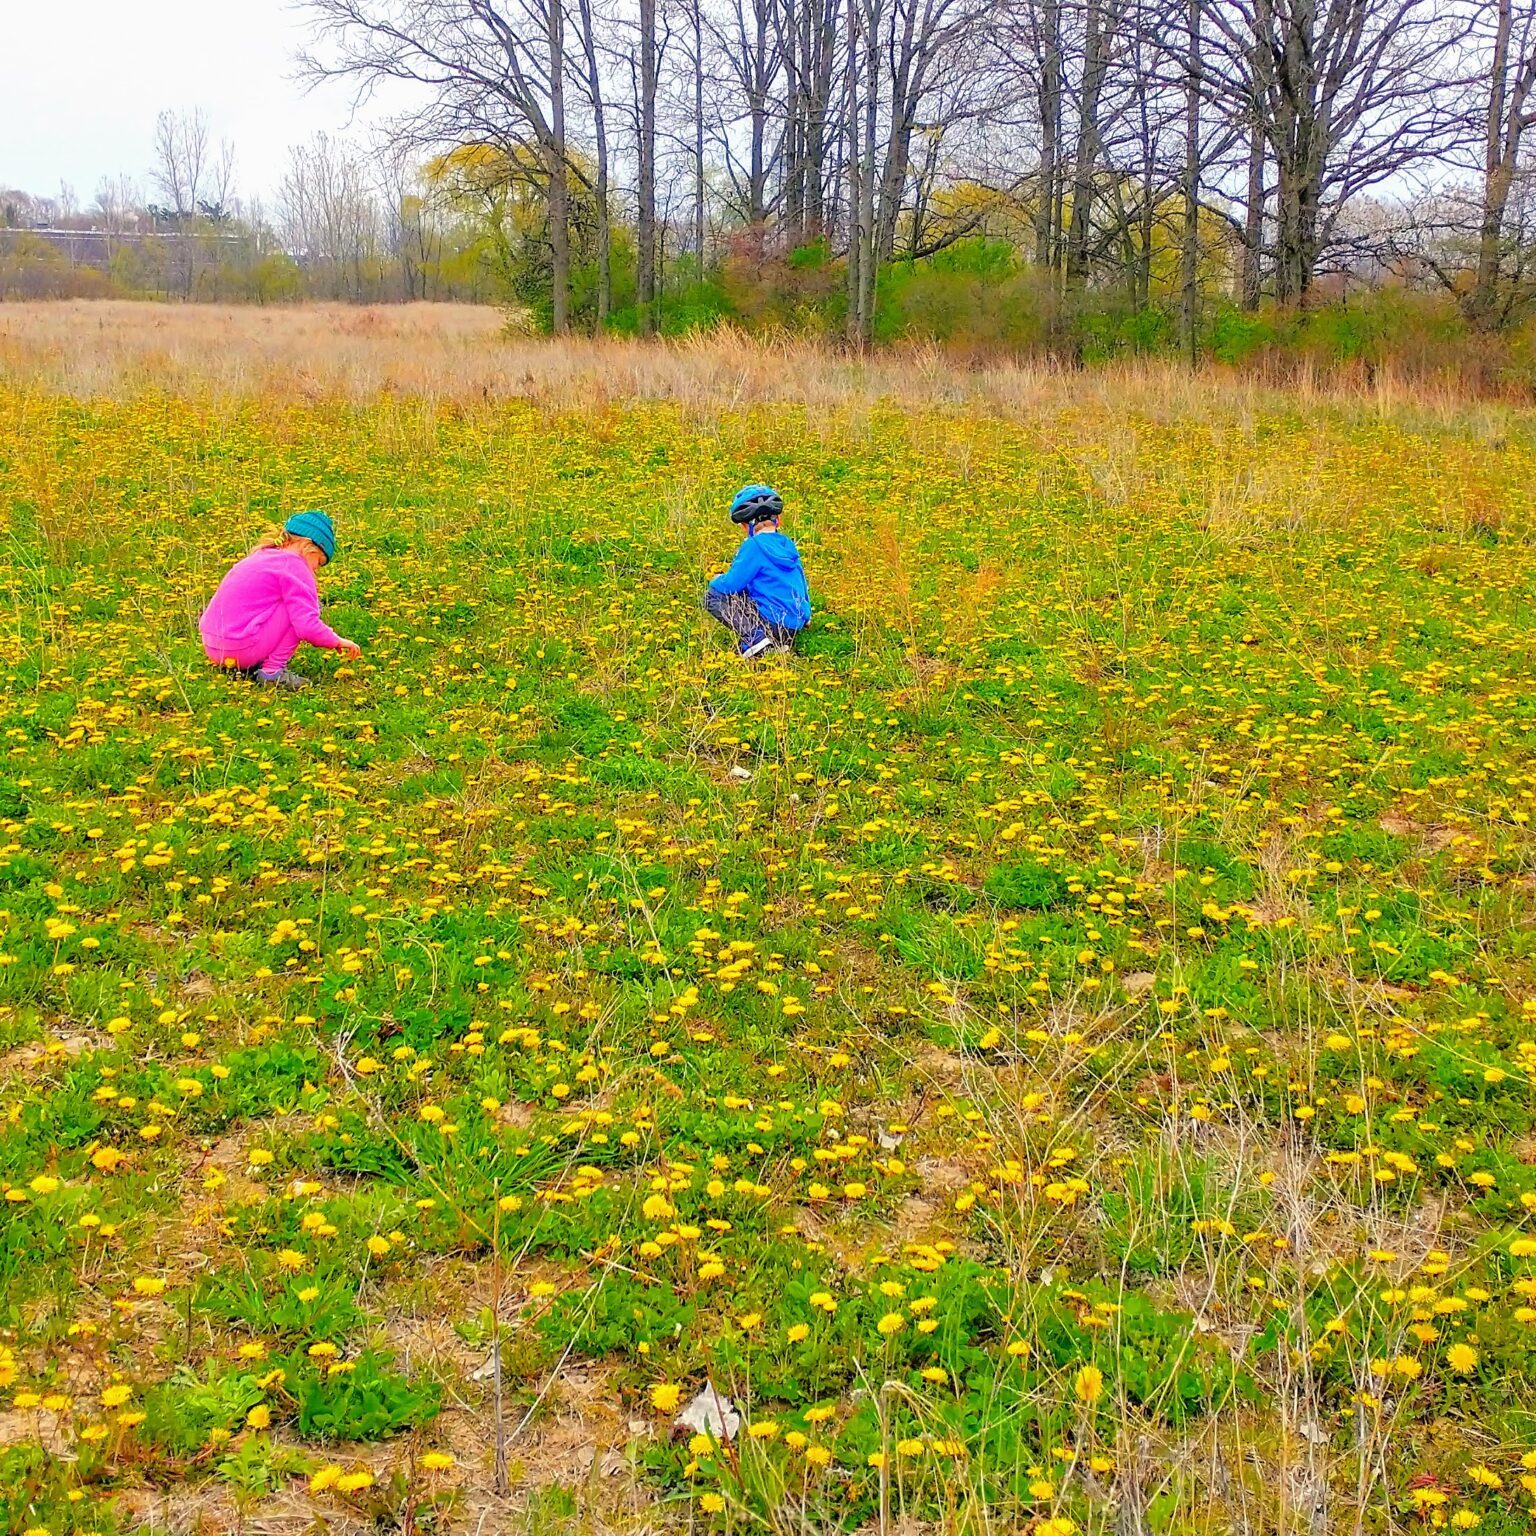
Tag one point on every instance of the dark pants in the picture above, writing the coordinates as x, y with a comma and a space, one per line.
742, 617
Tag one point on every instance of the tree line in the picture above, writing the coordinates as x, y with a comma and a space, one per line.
350, 221
630, 162
1119, 144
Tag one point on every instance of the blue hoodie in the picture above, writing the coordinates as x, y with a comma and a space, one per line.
767, 567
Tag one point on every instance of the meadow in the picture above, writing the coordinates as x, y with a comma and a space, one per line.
1055, 1054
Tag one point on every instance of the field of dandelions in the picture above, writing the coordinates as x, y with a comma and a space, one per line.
1054, 1055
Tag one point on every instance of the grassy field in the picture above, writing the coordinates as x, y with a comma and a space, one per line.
1056, 1054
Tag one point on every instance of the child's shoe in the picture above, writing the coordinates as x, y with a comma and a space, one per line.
754, 644
283, 678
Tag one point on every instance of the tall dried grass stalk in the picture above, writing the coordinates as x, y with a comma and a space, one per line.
462, 353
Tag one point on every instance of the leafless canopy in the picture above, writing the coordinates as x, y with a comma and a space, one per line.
1255, 142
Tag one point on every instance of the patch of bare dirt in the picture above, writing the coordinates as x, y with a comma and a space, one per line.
208, 1509
580, 1428
198, 986
921, 1218
423, 1336
822, 1235
1137, 983
1191, 1290
230, 1157
915, 1217
17, 1427
1432, 836
1373, 994
516, 1114
944, 1069
25, 1058
942, 1175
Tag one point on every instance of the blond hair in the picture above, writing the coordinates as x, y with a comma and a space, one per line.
279, 538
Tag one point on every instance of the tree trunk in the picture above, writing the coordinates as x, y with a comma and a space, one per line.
792, 216
1483, 307
869, 255
604, 298
604, 234
1299, 148
1139, 249
645, 234
1148, 236
851, 130
1049, 91
1295, 236
1086, 155
1189, 252
820, 54
816, 158
1504, 129
922, 196
898, 145
1251, 275
559, 191
757, 183
792, 205
600, 187
698, 132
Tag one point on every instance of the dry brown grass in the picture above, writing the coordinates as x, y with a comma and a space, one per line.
461, 352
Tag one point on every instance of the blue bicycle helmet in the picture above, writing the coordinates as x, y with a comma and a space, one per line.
755, 503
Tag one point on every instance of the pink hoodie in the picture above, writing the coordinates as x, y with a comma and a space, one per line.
264, 607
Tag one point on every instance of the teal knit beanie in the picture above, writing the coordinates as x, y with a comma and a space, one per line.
317, 528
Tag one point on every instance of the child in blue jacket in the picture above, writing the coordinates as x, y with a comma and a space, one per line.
763, 599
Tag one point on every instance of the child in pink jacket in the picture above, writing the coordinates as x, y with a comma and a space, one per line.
269, 602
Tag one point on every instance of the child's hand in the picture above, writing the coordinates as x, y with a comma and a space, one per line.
349, 648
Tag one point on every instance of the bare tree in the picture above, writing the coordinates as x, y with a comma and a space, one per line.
409, 231
1042, 34
490, 72
1139, 172
696, 17
1102, 18
116, 208
855, 163
866, 74
216, 202
554, 146
645, 233
600, 193
807, 37
181, 160
1347, 93
748, 44
1111, 130
1510, 76
1250, 107
1189, 243
330, 216
926, 40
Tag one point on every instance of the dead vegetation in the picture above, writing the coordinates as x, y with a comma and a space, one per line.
464, 355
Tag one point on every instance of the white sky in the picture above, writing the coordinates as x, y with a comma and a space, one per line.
86, 80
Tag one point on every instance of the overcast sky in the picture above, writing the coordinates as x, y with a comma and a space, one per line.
85, 81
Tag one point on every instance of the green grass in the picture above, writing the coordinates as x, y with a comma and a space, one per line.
1059, 1046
